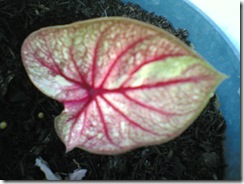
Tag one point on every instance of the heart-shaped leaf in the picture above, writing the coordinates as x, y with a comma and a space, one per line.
123, 83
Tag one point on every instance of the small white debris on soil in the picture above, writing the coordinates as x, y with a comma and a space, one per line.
77, 174
43, 165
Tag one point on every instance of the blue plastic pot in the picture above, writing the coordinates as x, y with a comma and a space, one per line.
217, 49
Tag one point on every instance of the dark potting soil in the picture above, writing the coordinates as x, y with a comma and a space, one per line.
196, 154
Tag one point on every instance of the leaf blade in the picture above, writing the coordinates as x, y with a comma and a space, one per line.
124, 84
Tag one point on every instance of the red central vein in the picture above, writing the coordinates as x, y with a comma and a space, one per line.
104, 124
121, 54
93, 93
101, 92
127, 118
156, 85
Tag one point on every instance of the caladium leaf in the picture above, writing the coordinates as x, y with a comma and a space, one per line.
123, 83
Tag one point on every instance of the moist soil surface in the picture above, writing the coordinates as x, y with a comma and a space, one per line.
196, 154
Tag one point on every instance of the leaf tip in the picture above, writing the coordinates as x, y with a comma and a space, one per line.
220, 78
